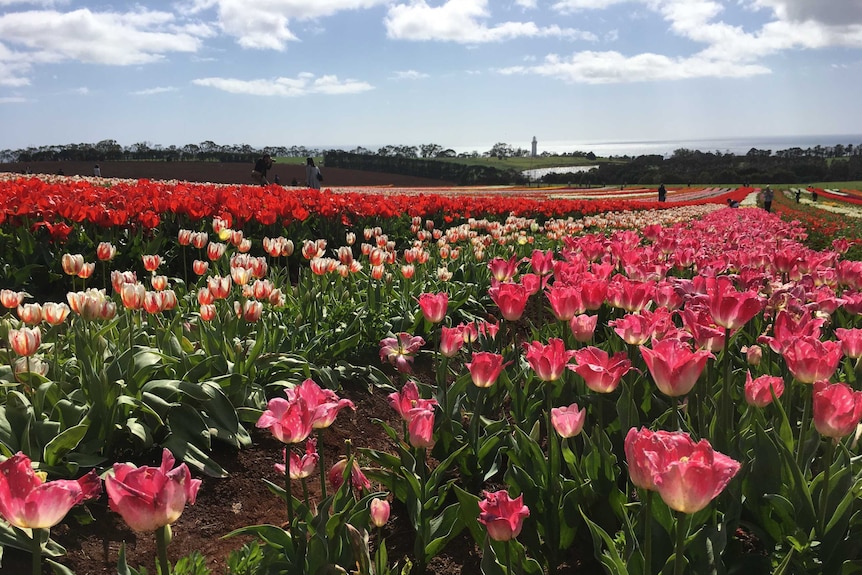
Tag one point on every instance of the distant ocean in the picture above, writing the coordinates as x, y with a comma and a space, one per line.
666, 147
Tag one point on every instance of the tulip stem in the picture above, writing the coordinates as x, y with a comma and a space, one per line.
508, 558
321, 464
678, 559
162, 548
37, 551
803, 426
824, 494
287, 492
648, 534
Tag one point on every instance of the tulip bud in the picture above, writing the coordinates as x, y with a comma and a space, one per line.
379, 512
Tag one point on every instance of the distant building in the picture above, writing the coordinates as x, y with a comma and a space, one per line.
535, 147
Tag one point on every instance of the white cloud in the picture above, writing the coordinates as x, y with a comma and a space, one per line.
409, 75
12, 100
571, 6
462, 21
82, 91
526, 4
100, 38
152, 91
267, 25
613, 67
303, 85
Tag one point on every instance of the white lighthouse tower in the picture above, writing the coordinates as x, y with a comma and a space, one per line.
535, 146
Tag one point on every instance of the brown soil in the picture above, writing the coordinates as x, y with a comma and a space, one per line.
223, 173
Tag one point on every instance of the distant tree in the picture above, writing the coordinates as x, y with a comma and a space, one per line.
501, 150
430, 150
447, 153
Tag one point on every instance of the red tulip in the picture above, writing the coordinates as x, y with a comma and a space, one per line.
645, 451
542, 262
674, 366
250, 310
837, 409
504, 270
568, 421
434, 306
207, 311
548, 361
288, 421
151, 497
72, 263
502, 515
105, 251
810, 359
485, 368
29, 502
11, 299
758, 392
511, 298
200, 267
601, 373
55, 313
30, 313
407, 399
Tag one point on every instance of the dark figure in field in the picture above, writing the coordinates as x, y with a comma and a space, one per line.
260, 167
731, 203
97, 171
798, 194
277, 180
768, 195
313, 176
813, 195
662, 193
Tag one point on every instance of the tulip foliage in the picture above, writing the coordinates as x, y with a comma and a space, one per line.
659, 386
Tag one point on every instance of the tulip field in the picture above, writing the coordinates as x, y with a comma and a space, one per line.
571, 381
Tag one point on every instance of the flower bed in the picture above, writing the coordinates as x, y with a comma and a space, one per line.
663, 386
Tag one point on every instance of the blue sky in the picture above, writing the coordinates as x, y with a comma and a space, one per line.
460, 73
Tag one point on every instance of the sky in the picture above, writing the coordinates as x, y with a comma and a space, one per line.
463, 74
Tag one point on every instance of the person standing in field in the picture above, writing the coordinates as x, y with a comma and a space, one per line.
313, 177
768, 194
258, 174
97, 171
662, 193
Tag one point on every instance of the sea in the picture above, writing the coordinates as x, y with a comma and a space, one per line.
738, 146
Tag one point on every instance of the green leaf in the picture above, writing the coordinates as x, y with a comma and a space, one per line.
444, 527
63, 443
605, 549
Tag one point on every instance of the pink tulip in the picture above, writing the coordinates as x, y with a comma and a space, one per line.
357, 478
837, 409
502, 515
753, 354
288, 421
568, 421
700, 324
407, 399
810, 359
548, 361
594, 291
485, 368
379, 511
851, 341
601, 373
301, 467
673, 365
29, 502
541, 262
566, 302
511, 298
323, 403
729, 308
688, 481
583, 327
420, 427
787, 329
433, 306
399, 350
758, 392
451, 340
645, 452
633, 328
151, 497
504, 270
